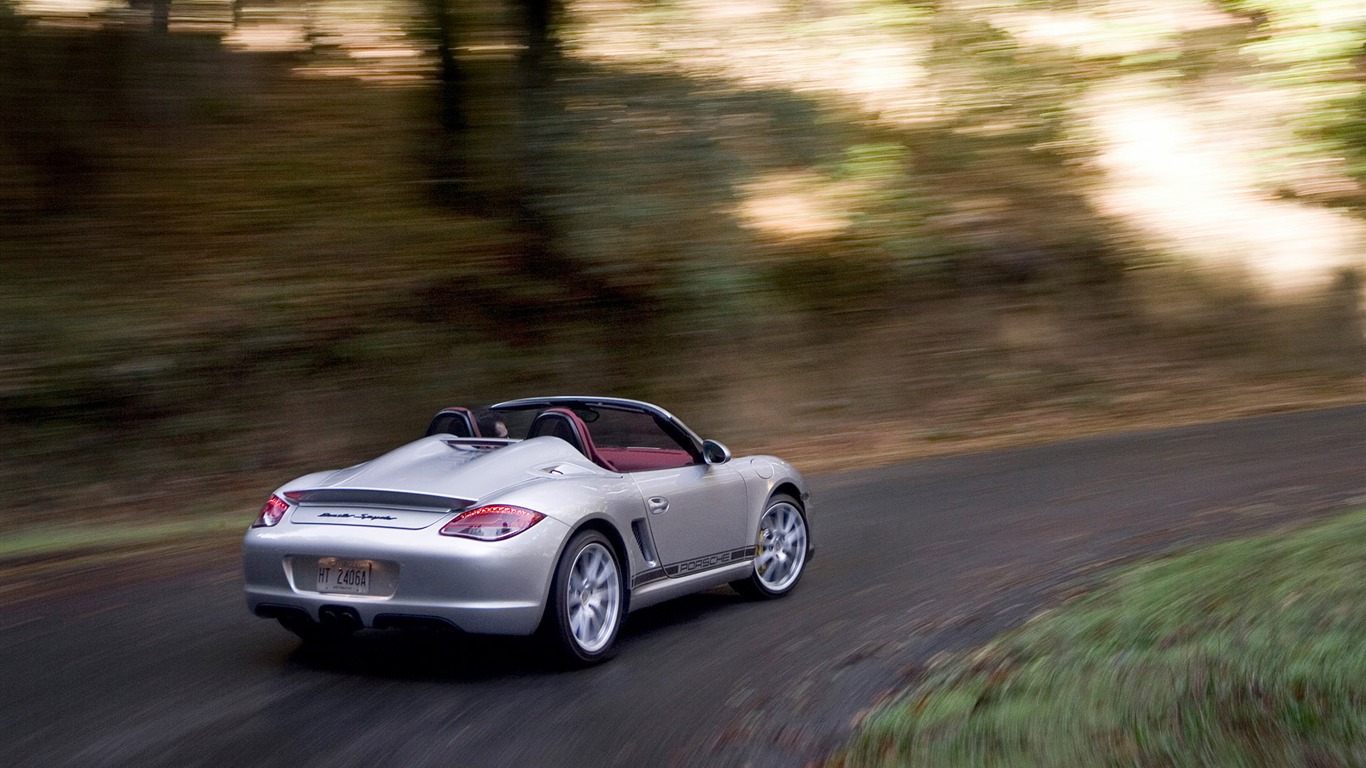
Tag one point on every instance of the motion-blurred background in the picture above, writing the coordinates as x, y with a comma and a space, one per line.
240, 239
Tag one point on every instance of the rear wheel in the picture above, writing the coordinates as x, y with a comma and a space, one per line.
587, 601
780, 550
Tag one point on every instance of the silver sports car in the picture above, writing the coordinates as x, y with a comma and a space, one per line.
606, 506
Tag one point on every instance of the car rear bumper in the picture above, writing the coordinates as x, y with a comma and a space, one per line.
475, 617
419, 577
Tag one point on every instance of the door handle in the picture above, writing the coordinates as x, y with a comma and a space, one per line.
658, 505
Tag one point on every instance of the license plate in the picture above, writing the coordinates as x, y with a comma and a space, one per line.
351, 577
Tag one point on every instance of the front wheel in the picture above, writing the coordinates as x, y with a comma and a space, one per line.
587, 601
780, 550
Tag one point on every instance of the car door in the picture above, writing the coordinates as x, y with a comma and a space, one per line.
696, 515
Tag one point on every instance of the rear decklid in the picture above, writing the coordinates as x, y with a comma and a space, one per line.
372, 507
422, 482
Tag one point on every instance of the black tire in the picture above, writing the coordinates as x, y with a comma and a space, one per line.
587, 601
782, 547
314, 634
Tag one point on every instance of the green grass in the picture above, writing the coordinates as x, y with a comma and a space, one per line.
1250, 653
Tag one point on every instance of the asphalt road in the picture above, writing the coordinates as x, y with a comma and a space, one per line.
913, 560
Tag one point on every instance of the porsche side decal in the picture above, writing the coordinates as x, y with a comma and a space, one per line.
645, 577
689, 567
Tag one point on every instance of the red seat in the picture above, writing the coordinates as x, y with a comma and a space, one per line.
566, 425
454, 421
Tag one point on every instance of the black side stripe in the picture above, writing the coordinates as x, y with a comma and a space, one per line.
645, 577
690, 567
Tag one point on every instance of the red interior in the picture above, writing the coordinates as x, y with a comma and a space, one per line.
565, 424
644, 459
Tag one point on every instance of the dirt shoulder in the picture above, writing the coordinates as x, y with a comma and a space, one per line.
889, 442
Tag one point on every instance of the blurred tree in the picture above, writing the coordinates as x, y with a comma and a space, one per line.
161, 16
450, 163
1345, 328
49, 137
1315, 52
452, 92
542, 47
541, 114
537, 107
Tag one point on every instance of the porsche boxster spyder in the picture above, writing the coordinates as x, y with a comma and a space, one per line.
599, 507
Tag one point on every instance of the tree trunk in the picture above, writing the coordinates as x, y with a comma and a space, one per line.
541, 47
452, 90
449, 166
539, 253
541, 112
161, 16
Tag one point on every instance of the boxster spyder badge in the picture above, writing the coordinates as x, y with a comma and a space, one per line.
603, 506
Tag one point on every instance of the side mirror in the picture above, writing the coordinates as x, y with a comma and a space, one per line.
714, 452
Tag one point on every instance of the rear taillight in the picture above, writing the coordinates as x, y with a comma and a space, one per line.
271, 512
491, 523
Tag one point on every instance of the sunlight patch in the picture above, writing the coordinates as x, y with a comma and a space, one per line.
276, 37
792, 206
738, 9
1193, 191
350, 40
864, 54
1115, 28
64, 7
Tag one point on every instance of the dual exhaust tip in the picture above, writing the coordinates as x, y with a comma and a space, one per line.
339, 618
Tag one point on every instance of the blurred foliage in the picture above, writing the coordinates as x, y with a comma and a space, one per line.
282, 233
1318, 51
1244, 653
